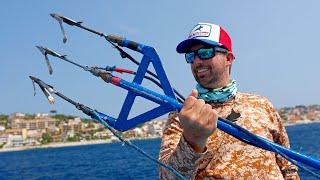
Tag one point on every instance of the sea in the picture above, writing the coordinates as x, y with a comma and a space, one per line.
118, 161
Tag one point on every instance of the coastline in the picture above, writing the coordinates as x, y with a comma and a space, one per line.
69, 144
84, 143
300, 122
56, 145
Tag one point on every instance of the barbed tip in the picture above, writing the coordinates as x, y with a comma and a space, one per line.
54, 15
32, 78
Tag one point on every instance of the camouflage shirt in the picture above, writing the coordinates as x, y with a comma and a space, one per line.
226, 157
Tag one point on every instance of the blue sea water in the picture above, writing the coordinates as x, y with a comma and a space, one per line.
114, 161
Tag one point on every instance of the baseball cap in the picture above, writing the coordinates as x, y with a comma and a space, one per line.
207, 33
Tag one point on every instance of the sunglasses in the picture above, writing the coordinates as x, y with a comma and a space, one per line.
204, 53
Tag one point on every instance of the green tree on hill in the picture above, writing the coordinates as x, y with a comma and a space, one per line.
77, 137
46, 138
4, 119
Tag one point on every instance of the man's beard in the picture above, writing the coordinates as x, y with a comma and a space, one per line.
213, 80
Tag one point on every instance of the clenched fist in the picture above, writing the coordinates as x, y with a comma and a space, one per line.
198, 121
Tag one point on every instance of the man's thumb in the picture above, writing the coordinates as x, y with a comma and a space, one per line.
194, 93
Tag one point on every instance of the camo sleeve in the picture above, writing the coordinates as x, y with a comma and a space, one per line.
176, 152
289, 171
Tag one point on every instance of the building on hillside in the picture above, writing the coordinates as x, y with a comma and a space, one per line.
40, 121
14, 141
75, 124
13, 131
32, 137
3, 138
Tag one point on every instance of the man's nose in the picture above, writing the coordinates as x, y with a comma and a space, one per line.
197, 60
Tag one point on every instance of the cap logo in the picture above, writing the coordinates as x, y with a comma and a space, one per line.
200, 30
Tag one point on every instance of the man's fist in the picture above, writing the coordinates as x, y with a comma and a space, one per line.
198, 121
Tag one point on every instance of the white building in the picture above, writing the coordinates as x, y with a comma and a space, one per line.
14, 141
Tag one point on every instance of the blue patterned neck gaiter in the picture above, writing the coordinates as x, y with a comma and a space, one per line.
218, 95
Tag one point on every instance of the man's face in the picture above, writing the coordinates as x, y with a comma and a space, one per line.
210, 73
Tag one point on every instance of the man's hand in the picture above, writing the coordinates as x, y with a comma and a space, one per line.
198, 121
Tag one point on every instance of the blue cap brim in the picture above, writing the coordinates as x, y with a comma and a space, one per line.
185, 45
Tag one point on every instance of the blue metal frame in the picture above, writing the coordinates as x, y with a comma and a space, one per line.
149, 56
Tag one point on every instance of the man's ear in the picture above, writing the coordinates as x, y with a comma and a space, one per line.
230, 58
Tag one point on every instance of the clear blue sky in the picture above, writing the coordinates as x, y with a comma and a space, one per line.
275, 43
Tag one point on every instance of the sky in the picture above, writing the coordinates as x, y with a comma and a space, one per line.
275, 43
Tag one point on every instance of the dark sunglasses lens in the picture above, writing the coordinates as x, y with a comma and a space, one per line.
189, 57
205, 53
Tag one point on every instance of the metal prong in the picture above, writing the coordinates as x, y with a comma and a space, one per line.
34, 88
44, 51
47, 93
60, 20
46, 89
48, 64
65, 19
49, 96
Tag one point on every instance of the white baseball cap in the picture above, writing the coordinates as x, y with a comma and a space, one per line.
207, 33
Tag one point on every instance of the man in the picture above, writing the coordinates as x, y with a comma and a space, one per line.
191, 142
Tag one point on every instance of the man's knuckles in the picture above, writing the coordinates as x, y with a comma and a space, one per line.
190, 99
199, 102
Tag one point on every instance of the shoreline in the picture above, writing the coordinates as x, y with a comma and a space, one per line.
93, 142
300, 122
56, 145
70, 144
